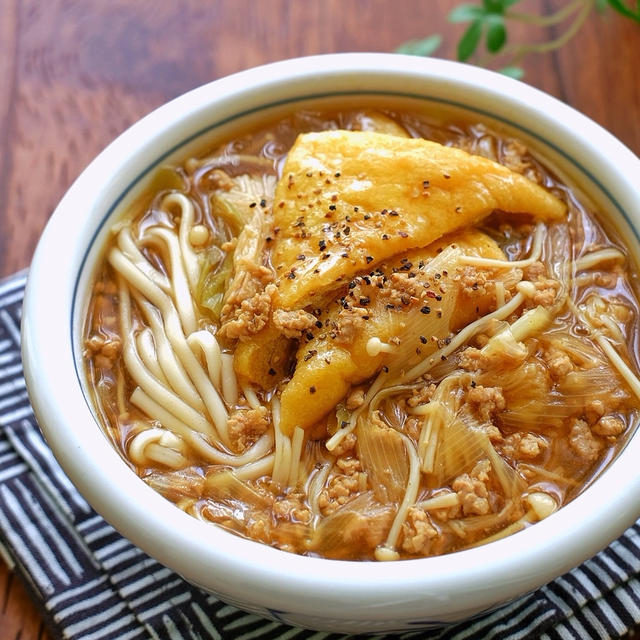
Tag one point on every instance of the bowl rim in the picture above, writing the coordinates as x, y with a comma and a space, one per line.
366, 589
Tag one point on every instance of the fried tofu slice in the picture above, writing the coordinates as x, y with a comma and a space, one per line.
393, 316
376, 121
348, 200
263, 360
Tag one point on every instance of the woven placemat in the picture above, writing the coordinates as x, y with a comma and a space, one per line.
90, 583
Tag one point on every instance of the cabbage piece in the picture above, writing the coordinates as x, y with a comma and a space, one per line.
225, 485
353, 530
224, 274
174, 485
384, 459
215, 275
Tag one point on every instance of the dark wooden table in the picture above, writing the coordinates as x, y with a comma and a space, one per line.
74, 74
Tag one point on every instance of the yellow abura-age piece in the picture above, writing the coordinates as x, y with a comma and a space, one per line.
348, 200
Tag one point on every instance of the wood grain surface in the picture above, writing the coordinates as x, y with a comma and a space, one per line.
74, 74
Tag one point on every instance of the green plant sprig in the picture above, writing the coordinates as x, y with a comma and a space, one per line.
488, 21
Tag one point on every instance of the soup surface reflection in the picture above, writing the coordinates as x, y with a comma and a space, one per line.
364, 334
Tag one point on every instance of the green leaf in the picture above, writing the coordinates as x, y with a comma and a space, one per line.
466, 13
512, 72
494, 6
496, 35
626, 10
469, 41
498, 7
422, 47
601, 5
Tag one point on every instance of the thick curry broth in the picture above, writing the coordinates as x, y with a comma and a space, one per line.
503, 431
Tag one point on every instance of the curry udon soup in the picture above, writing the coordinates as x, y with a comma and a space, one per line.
364, 335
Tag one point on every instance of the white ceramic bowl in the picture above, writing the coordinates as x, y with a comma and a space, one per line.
322, 594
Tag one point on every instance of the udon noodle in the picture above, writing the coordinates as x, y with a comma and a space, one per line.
364, 334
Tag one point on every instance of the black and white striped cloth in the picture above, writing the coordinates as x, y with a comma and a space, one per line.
90, 583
